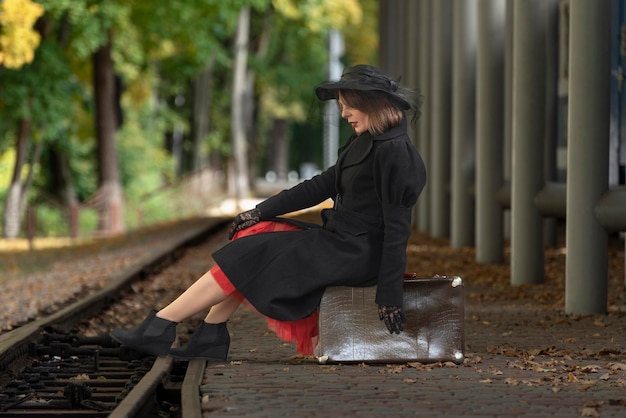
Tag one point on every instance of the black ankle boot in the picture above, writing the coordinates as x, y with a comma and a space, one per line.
154, 335
208, 342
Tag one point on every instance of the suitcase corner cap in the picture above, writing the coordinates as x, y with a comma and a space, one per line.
456, 282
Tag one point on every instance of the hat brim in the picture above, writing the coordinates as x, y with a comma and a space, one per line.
330, 91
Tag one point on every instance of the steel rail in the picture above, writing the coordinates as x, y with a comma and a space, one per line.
17, 344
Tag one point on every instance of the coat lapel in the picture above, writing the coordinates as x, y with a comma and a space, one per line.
357, 151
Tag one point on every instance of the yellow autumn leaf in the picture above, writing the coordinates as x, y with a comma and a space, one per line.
18, 39
321, 15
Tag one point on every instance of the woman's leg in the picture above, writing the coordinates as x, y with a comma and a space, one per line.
223, 310
201, 295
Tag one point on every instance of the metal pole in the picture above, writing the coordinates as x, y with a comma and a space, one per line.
331, 112
586, 279
463, 126
529, 109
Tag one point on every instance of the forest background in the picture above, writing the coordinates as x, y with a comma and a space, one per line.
115, 114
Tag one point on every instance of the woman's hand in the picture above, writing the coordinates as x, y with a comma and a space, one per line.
243, 221
393, 317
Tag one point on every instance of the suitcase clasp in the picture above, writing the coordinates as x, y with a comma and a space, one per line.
456, 282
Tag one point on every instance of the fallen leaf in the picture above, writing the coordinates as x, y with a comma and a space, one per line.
617, 366
589, 412
590, 368
394, 369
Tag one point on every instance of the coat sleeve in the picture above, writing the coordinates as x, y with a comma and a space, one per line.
400, 176
303, 195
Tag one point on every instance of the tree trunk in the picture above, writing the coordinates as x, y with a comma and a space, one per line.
111, 218
241, 181
201, 91
13, 210
62, 182
252, 110
279, 154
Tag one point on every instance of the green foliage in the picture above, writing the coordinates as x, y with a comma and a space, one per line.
89, 20
144, 162
40, 92
159, 47
362, 39
51, 222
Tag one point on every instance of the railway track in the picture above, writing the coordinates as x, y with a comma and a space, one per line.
48, 369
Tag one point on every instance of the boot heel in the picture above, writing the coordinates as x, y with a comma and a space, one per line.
208, 342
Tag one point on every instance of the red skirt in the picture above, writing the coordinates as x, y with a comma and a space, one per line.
303, 332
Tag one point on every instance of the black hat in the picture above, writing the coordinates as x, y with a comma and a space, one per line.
367, 78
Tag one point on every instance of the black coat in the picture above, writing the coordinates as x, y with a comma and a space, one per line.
362, 242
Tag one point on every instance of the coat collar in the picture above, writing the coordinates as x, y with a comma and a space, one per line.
360, 146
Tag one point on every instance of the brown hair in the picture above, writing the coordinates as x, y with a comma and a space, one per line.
383, 113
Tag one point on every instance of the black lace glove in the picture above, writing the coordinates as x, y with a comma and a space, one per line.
393, 317
243, 221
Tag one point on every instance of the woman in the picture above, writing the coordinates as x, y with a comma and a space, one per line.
281, 267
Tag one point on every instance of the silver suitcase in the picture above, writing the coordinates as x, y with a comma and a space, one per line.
350, 330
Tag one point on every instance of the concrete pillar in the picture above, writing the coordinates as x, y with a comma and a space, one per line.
385, 47
550, 232
489, 130
391, 46
409, 71
463, 122
439, 162
400, 38
424, 132
508, 117
410, 74
586, 281
411, 33
529, 109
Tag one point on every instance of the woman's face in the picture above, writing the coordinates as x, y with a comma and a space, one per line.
357, 119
